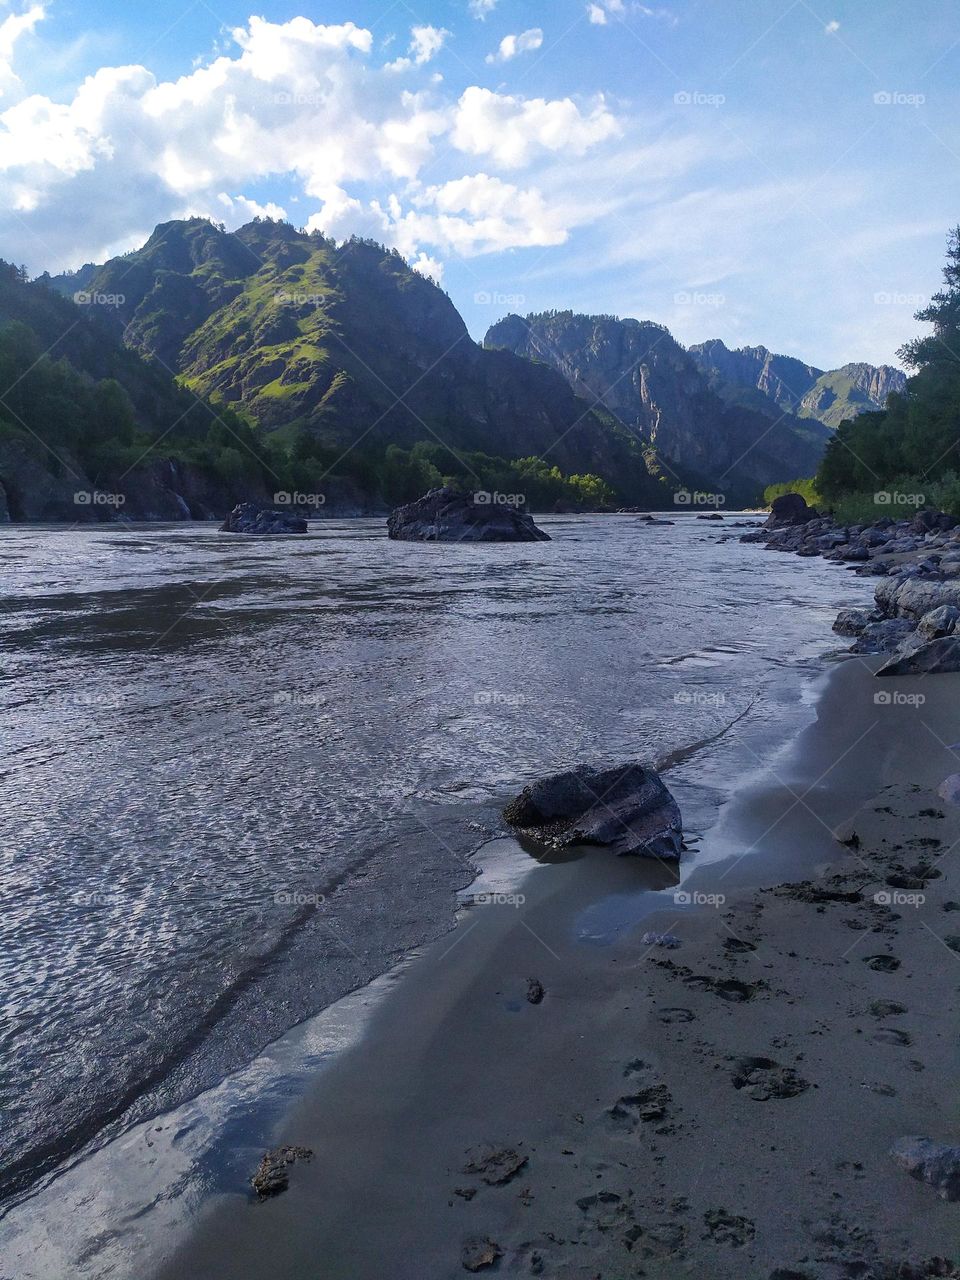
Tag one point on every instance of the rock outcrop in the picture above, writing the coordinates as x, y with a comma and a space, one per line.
447, 515
640, 373
627, 809
250, 517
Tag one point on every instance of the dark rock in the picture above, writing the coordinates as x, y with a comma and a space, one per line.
939, 622
628, 809
790, 509
935, 1163
713, 515
936, 657
496, 1165
447, 515
535, 992
273, 1172
250, 517
479, 1252
883, 637
851, 622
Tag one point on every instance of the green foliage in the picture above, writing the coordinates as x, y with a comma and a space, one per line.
806, 488
912, 445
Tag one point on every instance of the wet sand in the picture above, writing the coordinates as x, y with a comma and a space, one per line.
722, 1109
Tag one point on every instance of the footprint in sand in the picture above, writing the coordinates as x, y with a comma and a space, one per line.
882, 964
676, 1015
887, 1008
738, 946
725, 1228
726, 988
764, 1079
890, 1035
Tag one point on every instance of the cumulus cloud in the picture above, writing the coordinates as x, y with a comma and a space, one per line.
297, 102
511, 130
512, 46
480, 8
832, 27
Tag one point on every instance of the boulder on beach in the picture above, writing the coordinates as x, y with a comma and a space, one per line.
935, 1163
933, 658
448, 515
851, 622
628, 809
250, 517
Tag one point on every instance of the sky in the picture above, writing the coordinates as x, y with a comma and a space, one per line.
770, 172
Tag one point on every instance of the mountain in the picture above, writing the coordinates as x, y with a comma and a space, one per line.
638, 371
350, 347
89, 430
772, 383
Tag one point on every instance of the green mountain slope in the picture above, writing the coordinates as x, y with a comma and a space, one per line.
348, 346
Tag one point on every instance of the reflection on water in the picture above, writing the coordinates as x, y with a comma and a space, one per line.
242, 777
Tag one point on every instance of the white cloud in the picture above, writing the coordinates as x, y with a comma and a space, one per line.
480, 8
511, 130
92, 175
597, 15
429, 267
512, 46
425, 43
11, 29
831, 27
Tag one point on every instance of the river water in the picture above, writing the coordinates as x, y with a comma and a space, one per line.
243, 777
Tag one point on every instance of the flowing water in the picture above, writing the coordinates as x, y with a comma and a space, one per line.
242, 777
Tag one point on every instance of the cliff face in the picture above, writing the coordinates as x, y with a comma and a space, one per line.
640, 373
773, 383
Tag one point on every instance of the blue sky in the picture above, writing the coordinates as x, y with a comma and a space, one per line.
764, 171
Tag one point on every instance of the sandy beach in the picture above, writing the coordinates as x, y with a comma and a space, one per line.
722, 1108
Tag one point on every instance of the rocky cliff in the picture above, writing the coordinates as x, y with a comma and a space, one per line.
773, 383
640, 373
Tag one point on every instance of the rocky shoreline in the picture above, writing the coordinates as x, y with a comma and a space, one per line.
918, 598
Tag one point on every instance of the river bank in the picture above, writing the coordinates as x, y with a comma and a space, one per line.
663, 1105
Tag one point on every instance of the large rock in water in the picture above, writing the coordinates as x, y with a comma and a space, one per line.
248, 517
790, 508
628, 809
447, 515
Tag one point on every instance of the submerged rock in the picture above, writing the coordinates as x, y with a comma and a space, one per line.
935, 1163
273, 1172
628, 809
447, 515
249, 517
